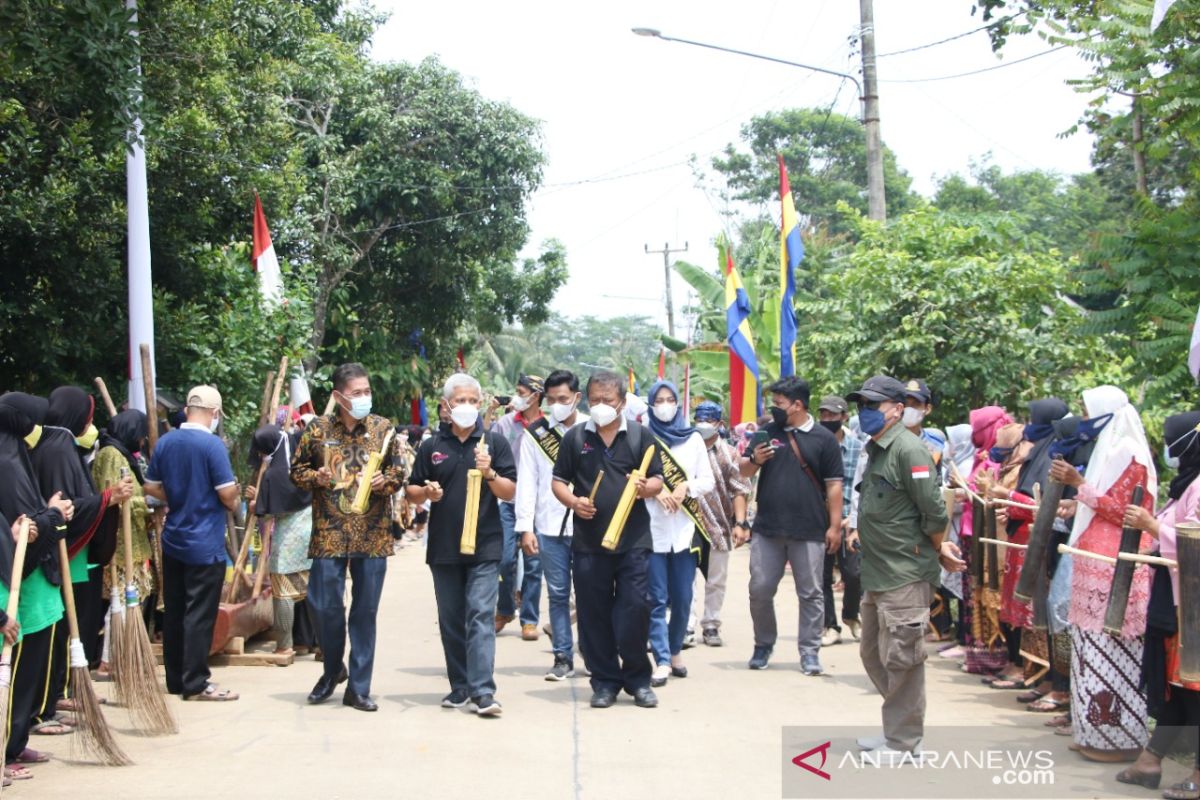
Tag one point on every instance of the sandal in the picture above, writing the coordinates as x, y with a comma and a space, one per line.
213, 695
1184, 790
1007, 683
1057, 722
31, 756
51, 727
1031, 696
954, 651
1136, 777
16, 773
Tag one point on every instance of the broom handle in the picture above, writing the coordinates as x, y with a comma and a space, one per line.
108, 401
127, 536
68, 589
18, 573
151, 399
244, 550
263, 556
279, 378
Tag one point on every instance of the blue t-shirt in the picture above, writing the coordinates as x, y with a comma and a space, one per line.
191, 464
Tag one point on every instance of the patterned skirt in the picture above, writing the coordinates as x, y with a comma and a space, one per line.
987, 650
289, 563
1013, 611
1108, 710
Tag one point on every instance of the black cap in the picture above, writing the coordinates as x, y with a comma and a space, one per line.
918, 389
879, 388
831, 402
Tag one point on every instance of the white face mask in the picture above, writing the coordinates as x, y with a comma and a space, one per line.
912, 417
666, 411
1171, 461
465, 415
519, 403
562, 411
603, 415
212, 426
707, 430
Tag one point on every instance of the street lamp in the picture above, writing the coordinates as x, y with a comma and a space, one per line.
870, 122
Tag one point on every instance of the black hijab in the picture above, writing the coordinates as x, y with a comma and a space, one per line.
1036, 468
1185, 447
277, 494
125, 434
71, 408
19, 490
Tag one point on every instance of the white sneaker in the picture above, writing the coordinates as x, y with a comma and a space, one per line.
855, 630
660, 675
871, 742
830, 637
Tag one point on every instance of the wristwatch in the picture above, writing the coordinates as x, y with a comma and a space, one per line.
492, 477
741, 523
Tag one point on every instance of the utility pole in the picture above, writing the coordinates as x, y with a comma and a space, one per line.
876, 206
666, 254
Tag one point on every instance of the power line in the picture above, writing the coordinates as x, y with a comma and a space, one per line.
976, 71
995, 24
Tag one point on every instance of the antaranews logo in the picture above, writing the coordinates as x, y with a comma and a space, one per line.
819, 770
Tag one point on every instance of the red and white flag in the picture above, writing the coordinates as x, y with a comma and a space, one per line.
920, 472
299, 396
270, 279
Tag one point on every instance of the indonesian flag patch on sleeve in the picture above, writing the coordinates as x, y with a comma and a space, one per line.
921, 471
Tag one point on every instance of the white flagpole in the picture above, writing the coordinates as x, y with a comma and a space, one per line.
141, 296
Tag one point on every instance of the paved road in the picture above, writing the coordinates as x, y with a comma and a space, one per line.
717, 733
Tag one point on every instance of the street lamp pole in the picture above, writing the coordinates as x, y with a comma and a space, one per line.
869, 115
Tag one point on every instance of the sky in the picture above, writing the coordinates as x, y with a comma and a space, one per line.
622, 115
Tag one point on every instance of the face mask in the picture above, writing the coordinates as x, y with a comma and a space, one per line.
1035, 433
707, 430
426, 435
1171, 461
1089, 429
999, 454
212, 426
912, 417
562, 411
88, 437
519, 403
464, 415
871, 420
832, 425
35, 436
666, 411
603, 415
779, 415
1179, 447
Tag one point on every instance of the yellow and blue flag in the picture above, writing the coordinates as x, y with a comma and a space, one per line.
745, 404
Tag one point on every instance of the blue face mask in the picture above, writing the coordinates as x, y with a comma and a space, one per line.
871, 420
1035, 433
360, 406
999, 454
1090, 428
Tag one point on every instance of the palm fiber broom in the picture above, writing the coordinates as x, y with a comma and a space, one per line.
94, 737
14, 597
137, 664
115, 636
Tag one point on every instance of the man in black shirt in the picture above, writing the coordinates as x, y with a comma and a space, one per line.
611, 592
799, 519
465, 586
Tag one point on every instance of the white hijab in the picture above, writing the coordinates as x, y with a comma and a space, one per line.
1122, 440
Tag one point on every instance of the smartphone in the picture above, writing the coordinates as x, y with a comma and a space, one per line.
503, 399
759, 437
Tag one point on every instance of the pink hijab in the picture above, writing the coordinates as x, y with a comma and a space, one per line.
986, 422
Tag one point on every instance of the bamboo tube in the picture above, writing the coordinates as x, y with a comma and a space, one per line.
105, 396
1013, 504
471, 508
596, 486
14, 598
362, 497
616, 526
1001, 543
1137, 558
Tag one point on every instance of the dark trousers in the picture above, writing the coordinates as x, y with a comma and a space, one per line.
90, 605
55, 689
326, 590
1175, 728
304, 628
612, 603
191, 597
30, 665
848, 561
466, 601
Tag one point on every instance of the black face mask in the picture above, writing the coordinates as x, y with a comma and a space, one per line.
831, 425
779, 415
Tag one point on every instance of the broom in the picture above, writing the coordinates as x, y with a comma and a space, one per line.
14, 596
136, 665
114, 637
94, 736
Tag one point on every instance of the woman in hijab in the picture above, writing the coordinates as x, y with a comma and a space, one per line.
41, 604
1108, 711
58, 462
671, 570
961, 452
1173, 702
126, 435
287, 512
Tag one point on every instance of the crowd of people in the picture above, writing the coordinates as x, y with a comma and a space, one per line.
629, 515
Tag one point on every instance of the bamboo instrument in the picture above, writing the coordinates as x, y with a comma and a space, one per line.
329, 404
992, 556
471, 509
151, 399
362, 498
616, 526
1187, 546
14, 598
1002, 543
977, 537
239, 564
1033, 571
105, 396
1135, 558
1118, 596
93, 736
1013, 504
143, 695
596, 486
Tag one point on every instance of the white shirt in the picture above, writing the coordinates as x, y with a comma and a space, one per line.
672, 533
537, 508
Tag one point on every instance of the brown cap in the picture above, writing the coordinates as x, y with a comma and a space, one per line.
204, 397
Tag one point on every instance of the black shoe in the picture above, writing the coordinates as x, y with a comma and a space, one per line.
645, 698
361, 702
603, 698
760, 658
678, 672
324, 688
456, 699
486, 706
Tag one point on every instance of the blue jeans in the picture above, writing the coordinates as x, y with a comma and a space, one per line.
531, 583
670, 577
555, 554
466, 601
326, 590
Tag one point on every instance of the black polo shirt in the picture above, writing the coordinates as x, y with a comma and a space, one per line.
789, 503
443, 458
582, 455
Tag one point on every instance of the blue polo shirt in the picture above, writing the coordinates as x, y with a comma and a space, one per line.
191, 465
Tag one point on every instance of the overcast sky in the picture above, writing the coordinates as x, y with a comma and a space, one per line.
622, 114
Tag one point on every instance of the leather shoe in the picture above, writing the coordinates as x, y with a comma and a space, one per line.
361, 702
604, 698
645, 698
324, 688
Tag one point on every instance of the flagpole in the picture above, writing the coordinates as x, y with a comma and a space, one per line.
141, 296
